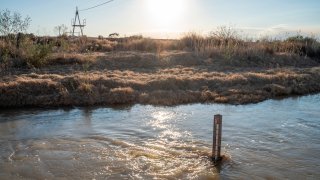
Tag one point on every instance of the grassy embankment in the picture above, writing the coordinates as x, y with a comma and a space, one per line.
221, 68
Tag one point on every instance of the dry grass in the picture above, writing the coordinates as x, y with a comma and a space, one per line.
168, 86
223, 45
219, 68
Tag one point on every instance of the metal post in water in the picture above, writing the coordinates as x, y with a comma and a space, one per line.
217, 128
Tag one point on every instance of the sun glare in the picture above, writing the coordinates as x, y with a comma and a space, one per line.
165, 13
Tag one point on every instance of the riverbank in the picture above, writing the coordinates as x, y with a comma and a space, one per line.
168, 78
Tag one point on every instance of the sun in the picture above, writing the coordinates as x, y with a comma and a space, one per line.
165, 13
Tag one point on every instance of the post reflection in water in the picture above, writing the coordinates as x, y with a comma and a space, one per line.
145, 142
87, 115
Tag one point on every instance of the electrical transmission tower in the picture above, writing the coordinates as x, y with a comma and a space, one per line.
77, 23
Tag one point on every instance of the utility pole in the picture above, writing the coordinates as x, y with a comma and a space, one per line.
76, 24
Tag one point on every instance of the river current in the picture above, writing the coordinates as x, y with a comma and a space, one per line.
273, 139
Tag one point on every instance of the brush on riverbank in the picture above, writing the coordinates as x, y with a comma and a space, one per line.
135, 77
65, 71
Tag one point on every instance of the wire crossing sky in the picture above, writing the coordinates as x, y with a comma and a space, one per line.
96, 6
171, 18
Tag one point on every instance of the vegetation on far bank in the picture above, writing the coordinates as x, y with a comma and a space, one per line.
20, 50
29, 51
176, 77
220, 67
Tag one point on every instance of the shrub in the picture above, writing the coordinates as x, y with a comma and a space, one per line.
225, 43
303, 46
138, 44
35, 55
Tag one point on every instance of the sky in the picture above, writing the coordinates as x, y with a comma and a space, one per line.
172, 18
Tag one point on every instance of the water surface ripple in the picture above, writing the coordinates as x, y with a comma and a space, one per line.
273, 139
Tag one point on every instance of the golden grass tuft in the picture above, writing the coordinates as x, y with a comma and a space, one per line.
85, 88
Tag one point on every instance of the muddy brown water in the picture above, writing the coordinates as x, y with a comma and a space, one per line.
273, 139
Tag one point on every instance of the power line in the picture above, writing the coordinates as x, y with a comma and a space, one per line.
97, 5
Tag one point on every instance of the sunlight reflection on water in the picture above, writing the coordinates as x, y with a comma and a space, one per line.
165, 120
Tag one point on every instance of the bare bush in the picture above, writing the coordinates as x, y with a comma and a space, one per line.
13, 23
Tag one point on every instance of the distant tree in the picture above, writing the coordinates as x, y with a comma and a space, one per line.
13, 23
61, 29
136, 37
113, 35
100, 37
301, 39
225, 32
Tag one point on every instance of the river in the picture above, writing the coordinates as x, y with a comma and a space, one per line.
273, 139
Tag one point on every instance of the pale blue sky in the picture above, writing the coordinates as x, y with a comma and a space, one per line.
253, 17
